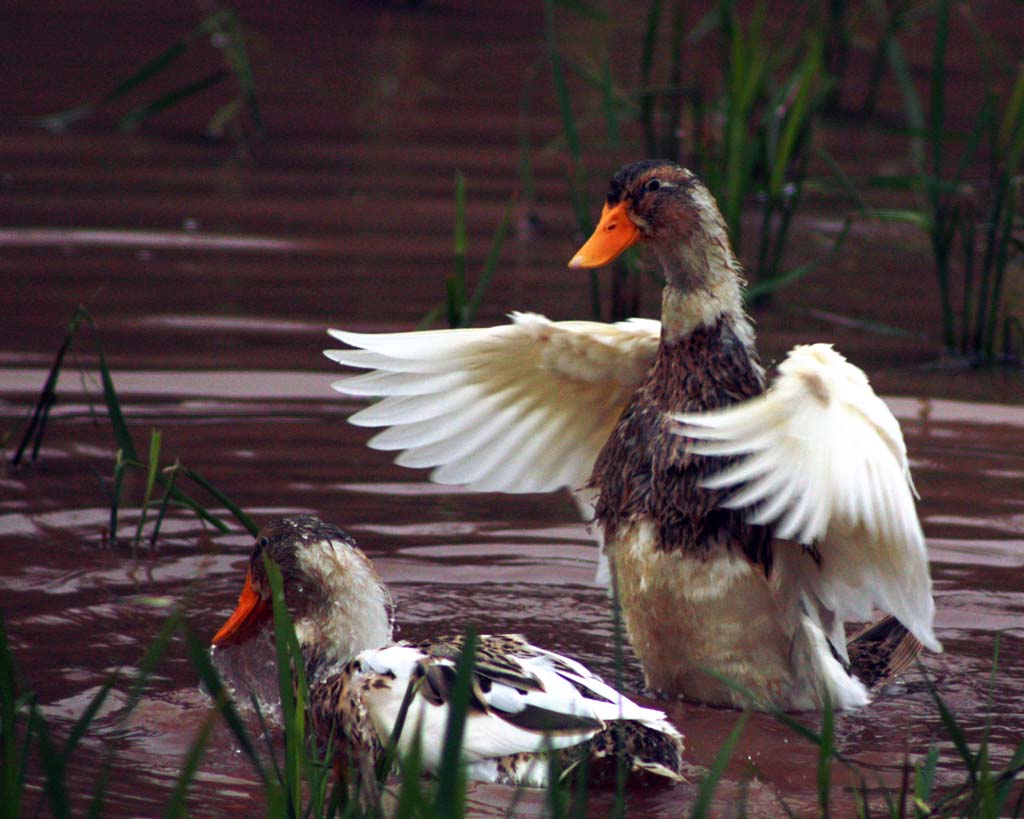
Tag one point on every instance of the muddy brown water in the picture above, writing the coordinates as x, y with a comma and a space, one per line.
213, 278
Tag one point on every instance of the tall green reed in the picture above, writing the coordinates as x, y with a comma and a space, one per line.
745, 127
575, 171
970, 225
459, 307
126, 458
772, 91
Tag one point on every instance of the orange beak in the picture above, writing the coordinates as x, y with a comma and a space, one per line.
251, 612
613, 234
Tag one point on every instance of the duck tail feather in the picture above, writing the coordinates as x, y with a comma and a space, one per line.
882, 650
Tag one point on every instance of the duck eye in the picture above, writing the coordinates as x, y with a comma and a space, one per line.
654, 184
264, 542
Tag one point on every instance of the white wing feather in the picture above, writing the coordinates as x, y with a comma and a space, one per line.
522, 407
824, 461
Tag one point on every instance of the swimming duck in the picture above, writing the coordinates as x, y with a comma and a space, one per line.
525, 700
744, 527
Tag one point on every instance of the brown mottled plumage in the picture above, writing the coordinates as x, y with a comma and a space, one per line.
647, 470
882, 650
523, 700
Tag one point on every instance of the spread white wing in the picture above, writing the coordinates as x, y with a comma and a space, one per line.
826, 464
522, 407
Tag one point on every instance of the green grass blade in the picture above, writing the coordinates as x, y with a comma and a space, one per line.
1010, 129
924, 781
197, 508
455, 283
706, 792
937, 118
176, 804
172, 472
572, 139
134, 118
268, 740
217, 125
115, 413
237, 55
581, 790
150, 659
151, 471
199, 655
613, 136
527, 177
990, 265
619, 656
60, 120
911, 102
99, 791
845, 184
52, 762
232, 507
412, 799
451, 791
81, 726
115, 493
713, 19
294, 690
1009, 776
777, 282
672, 108
826, 750
490, 265
1005, 227
12, 757
647, 53
797, 118
432, 317
780, 716
148, 70
917, 218
387, 758
953, 728
575, 175
48, 395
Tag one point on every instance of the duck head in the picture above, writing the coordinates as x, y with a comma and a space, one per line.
667, 208
336, 599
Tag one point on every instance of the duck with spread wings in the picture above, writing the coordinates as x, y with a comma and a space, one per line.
744, 525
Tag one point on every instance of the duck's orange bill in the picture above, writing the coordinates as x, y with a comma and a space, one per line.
251, 612
613, 234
